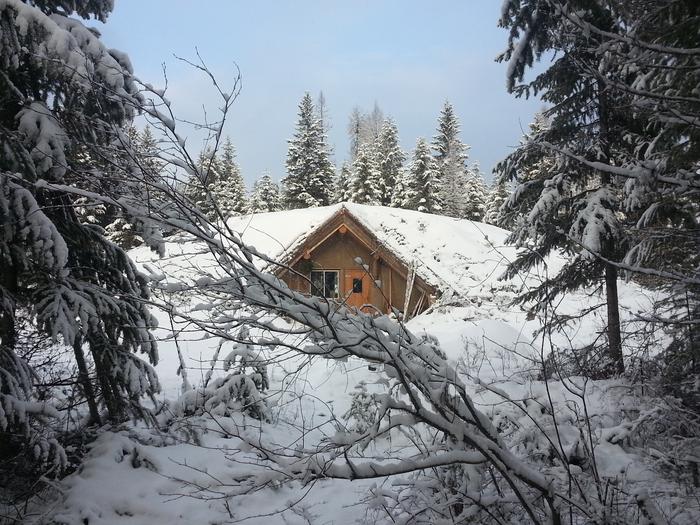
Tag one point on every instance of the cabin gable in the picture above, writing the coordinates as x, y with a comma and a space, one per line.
326, 263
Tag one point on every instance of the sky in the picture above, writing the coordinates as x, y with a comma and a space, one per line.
407, 56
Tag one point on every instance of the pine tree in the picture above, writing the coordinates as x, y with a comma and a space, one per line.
577, 204
60, 275
265, 196
310, 172
399, 194
200, 187
498, 195
229, 190
322, 113
119, 227
355, 132
342, 183
365, 182
475, 192
390, 161
372, 125
364, 129
420, 191
451, 160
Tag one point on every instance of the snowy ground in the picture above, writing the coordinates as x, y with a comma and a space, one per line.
130, 478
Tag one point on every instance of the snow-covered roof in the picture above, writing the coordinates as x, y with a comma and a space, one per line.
451, 254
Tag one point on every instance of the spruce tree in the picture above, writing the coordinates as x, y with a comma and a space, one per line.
200, 187
265, 196
119, 227
451, 158
309, 180
343, 179
577, 204
498, 195
420, 191
63, 119
399, 194
229, 190
475, 193
355, 132
390, 161
365, 183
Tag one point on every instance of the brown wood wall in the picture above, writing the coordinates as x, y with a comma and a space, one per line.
338, 252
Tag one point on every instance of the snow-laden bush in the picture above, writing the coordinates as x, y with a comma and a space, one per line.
238, 392
363, 409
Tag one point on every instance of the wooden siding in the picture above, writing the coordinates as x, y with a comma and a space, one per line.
336, 245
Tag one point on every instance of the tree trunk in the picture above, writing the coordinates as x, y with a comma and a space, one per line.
614, 337
8, 330
84, 380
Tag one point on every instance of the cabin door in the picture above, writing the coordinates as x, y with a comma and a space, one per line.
356, 288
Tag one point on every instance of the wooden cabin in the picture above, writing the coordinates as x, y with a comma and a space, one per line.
343, 260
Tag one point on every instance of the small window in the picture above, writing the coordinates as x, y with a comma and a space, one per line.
324, 283
356, 285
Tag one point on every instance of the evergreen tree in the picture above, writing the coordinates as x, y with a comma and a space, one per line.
200, 187
322, 113
60, 275
364, 129
365, 184
265, 196
390, 161
451, 159
497, 197
475, 192
420, 191
310, 171
355, 132
372, 125
229, 190
342, 183
397, 198
577, 204
120, 228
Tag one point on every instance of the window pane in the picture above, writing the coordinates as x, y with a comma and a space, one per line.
331, 279
317, 283
357, 285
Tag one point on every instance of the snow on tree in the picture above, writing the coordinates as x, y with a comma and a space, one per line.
322, 113
240, 391
475, 195
451, 158
200, 186
365, 181
578, 202
372, 125
419, 188
498, 195
265, 196
229, 190
342, 183
218, 189
309, 177
355, 132
364, 129
60, 274
390, 161
119, 228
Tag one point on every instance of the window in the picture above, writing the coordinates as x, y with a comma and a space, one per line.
356, 285
324, 283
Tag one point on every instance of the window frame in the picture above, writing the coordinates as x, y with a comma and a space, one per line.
314, 288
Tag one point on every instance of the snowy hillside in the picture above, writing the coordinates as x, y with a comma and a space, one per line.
491, 345
462, 258
452, 254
